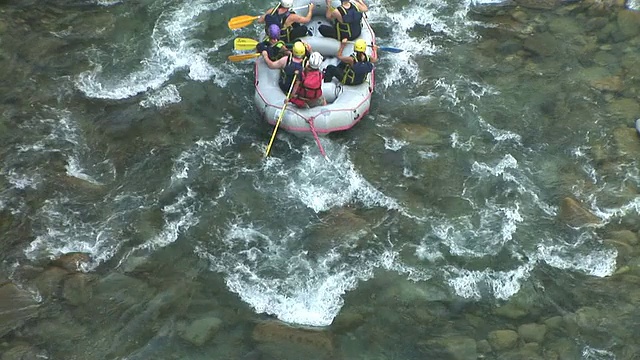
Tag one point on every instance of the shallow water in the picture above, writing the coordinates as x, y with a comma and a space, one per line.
437, 220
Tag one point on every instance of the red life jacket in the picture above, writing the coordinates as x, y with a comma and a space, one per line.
311, 85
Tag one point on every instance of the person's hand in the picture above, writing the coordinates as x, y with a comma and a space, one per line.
344, 41
311, 6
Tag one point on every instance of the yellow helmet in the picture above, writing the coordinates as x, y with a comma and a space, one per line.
299, 49
360, 45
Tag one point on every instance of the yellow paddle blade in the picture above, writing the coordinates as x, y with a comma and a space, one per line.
244, 44
241, 21
241, 57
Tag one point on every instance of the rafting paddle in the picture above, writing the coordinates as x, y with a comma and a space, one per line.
244, 44
382, 48
284, 107
388, 49
241, 57
245, 20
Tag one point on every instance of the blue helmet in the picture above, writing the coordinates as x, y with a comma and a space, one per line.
274, 31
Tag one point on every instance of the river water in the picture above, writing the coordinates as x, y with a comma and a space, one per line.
480, 209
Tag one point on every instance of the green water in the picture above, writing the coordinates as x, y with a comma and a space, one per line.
479, 211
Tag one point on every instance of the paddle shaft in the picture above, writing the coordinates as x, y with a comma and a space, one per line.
246, 20
284, 107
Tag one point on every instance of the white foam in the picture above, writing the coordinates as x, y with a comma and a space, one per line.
21, 181
74, 169
473, 284
63, 231
321, 187
178, 218
590, 353
165, 96
600, 262
171, 49
633, 4
498, 134
108, 2
263, 270
394, 144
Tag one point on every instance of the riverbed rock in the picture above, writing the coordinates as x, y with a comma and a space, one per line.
451, 347
501, 340
347, 320
609, 83
626, 141
281, 340
77, 289
16, 307
574, 214
200, 331
625, 109
418, 134
23, 351
338, 226
49, 283
532, 333
72, 261
628, 24
539, 4
542, 44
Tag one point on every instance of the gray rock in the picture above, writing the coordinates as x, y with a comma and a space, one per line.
483, 347
543, 44
77, 289
16, 307
501, 340
72, 261
628, 24
200, 331
23, 352
49, 282
574, 214
453, 347
347, 320
532, 333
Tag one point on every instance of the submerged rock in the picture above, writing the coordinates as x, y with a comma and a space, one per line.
532, 333
72, 261
23, 352
49, 282
201, 330
16, 307
282, 340
451, 347
503, 339
574, 214
77, 289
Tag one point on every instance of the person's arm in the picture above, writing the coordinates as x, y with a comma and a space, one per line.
374, 56
295, 18
344, 59
261, 18
273, 64
361, 6
296, 85
332, 13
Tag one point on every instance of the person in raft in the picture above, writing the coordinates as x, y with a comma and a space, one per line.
290, 23
274, 48
307, 91
353, 69
347, 18
289, 65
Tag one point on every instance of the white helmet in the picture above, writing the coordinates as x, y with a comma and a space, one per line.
315, 60
286, 3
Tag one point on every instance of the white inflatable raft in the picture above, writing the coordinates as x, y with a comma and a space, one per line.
346, 104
